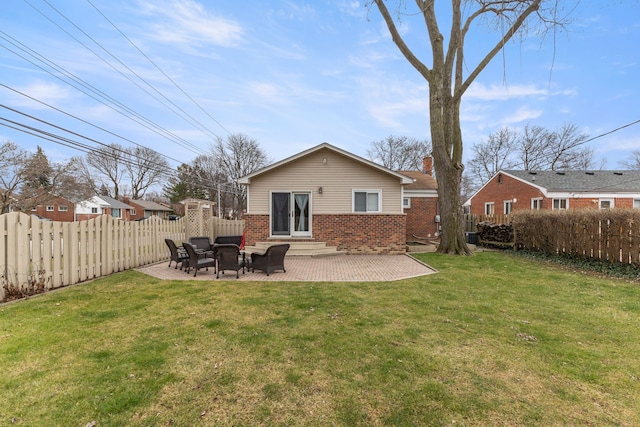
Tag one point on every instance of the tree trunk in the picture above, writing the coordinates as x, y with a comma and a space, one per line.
446, 138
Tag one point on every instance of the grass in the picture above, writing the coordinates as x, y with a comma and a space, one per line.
490, 340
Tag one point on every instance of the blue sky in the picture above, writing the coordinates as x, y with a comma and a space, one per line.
294, 74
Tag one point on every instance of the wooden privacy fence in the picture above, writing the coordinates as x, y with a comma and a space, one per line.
48, 254
611, 235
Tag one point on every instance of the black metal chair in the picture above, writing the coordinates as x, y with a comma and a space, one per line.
179, 255
229, 258
271, 260
198, 260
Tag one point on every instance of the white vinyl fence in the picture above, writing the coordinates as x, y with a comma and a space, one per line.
47, 254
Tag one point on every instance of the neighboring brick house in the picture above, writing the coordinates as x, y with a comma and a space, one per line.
512, 190
147, 208
103, 205
56, 209
420, 203
326, 194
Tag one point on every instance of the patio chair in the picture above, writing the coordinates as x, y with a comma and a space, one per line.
271, 260
202, 243
198, 260
229, 258
179, 255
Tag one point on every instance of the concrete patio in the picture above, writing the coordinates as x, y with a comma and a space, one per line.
338, 268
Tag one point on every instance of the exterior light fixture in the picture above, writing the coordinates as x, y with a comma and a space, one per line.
320, 190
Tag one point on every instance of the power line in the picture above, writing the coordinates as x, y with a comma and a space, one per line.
193, 121
130, 114
84, 121
158, 68
130, 111
613, 131
193, 180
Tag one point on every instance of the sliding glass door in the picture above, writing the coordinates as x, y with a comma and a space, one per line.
290, 214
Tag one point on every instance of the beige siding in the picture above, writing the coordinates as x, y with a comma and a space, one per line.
337, 177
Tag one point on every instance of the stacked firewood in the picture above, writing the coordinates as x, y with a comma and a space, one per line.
495, 234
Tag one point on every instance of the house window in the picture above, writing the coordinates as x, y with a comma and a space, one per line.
116, 213
606, 203
636, 203
489, 208
49, 208
133, 211
34, 209
560, 204
508, 206
406, 202
366, 200
63, 208
536, 204
94, 210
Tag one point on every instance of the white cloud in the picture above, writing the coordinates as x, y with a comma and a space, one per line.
522, 114
352, 8
502, 93
392, 103
47, 92
188, 23
264, 90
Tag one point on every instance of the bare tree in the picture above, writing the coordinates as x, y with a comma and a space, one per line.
532, 147
145, 168
535, 148
564, 148
107, 168
494, 154
633, 163
447, 83
399, 153
236, 157
114, 166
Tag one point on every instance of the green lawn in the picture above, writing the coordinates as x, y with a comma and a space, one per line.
489, 340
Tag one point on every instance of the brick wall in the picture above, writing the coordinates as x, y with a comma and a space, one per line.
353, 233
497, 192
256, 228
421, 217
56, 214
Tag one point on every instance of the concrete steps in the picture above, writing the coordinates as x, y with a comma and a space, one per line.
314, 249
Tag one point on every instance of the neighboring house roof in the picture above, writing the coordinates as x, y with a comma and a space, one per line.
421, 181
247, 179
113, 203
148, 205
592, 182
610, 181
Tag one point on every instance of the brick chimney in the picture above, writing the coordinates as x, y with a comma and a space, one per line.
427, 165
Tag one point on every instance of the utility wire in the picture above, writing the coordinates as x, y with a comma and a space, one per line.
85, 121
193, 180
134, 116
612, 131
193, 121
158, 68
129, 110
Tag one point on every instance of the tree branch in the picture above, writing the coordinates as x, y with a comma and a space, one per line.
397, 39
